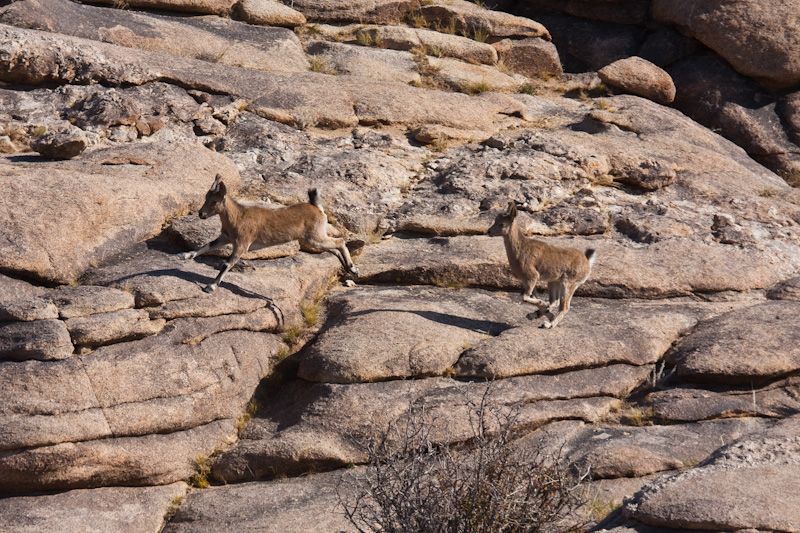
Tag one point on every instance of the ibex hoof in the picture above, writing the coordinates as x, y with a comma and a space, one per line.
186, 255
547, 325
533, 316
209, 288
353, 270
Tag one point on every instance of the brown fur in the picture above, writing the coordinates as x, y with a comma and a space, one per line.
253, 226
532, 260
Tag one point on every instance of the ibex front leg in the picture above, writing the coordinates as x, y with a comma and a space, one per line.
528, 286
238, 251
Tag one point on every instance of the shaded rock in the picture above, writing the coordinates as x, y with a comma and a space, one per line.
573, 220
535, 58
318, 426
95, 510
747, 480
777, 400
727, 231
40, 339
211, 7
639, 76
666, 46
274, 49
424, 331
592, 336
269, 13
116, 326
650, 228
60, 144
469, 19
433, 42
755, 343
12, 290
785, 290
361, 11
714, 94
649, 175
366, 62
773, 56
618, 11
147, 460
86, 300
27, 309
296, 505
97, 216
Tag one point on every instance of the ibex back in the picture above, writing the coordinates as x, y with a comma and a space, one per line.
247, 225
531, 260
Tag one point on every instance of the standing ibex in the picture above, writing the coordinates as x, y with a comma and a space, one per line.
244, 225
564, 269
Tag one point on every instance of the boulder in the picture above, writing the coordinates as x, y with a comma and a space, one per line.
292, 505
269, 13
639, 76
360, 11
374, 63
471, 20
590, 336
473, 79
666, 46
39, 339
756, 343
60, 144
786, 290
87, 300
85, 510
534, 58
747, 478
425, 331
433, 43
27, 309
271, 49
79, 216
116, 326
210, 7
774, 51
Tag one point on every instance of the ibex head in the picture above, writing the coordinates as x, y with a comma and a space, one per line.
502, 224
215, 199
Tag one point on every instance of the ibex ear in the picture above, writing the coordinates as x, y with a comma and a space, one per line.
221, 189
512, 209
217, 181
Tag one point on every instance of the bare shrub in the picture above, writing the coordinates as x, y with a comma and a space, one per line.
417, 481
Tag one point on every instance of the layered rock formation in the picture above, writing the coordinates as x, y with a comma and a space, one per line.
673, 380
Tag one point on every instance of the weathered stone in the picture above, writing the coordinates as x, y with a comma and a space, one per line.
87, 300
269, 13
360, 11
211, 7
81, 511
148, 460
741, 486
649, 175
473, 79
60, 144
469, 19
295, 505
274, 49
27, 309
79, 216
591, 336
535, 58
755, 343
431, 133
776, 400
773, 54
639, 76
40, 339
424, 332
116, 326
15, 290
785, 290
319, 426
366, 62
433, 43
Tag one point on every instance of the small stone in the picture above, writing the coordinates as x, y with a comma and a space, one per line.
60, 144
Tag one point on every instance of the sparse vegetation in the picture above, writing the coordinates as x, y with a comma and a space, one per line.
769, 192
199, 479
318, 64
291, 335
366, 38
121, 4
251, 410
303, 120
527, 88
310, 311
488, 483
480, 35
39, 131
474, 88
417, 20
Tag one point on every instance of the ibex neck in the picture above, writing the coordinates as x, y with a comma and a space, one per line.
230, 215
514, 239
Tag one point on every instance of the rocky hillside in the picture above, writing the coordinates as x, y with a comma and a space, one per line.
133, 401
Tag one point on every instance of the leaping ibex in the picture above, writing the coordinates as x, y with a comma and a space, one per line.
245, 225
564, 269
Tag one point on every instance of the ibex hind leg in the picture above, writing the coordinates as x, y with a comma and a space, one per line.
234, 257
563, 306
335, 246
217, 243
